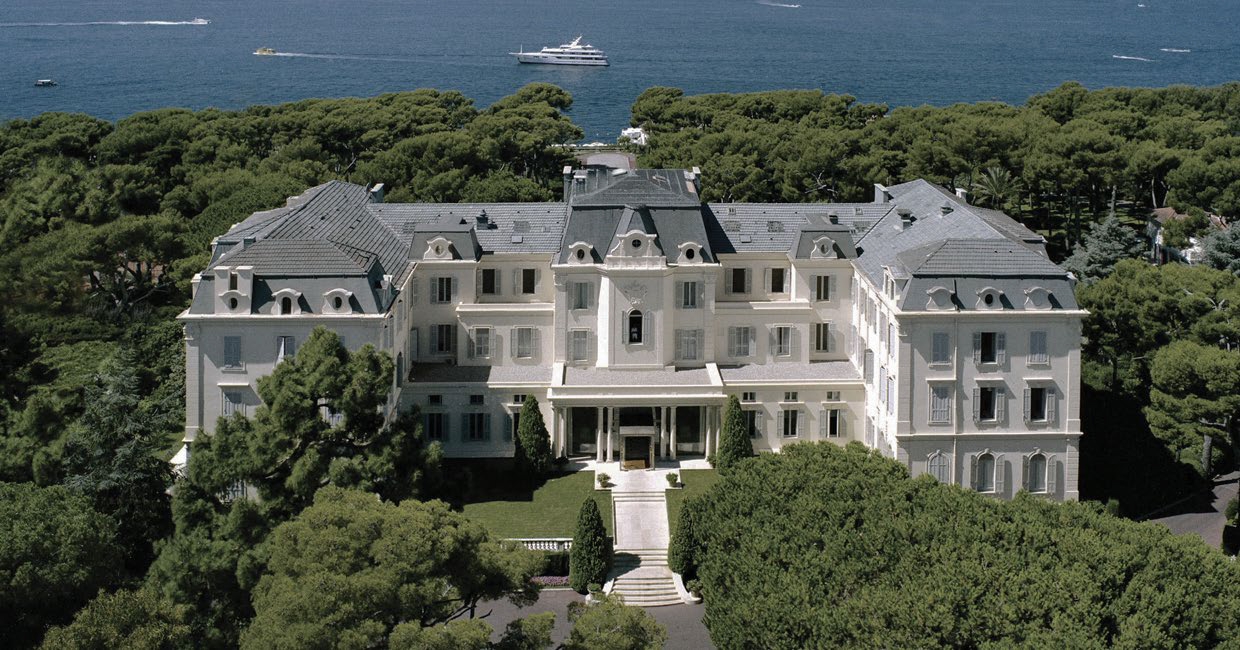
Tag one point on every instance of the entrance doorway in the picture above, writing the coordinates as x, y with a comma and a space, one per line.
636, 452
583, 428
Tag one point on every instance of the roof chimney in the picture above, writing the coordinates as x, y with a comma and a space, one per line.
833, 218
483, 220
881, 195
946, 209
568, 182
376, 193
906, 218
696, 177
962, 194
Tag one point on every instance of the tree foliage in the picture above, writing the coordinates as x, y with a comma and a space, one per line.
351, 569
734, 442
56, 552
130, 619
915, 563
1195, 396
1106, 243
590, 555
609, 623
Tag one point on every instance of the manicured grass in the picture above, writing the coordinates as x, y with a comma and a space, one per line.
697, 481
550, 510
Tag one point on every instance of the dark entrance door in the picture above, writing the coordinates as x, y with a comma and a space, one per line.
636, 452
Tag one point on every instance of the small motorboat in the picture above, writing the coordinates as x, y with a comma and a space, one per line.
45, 83
265, 51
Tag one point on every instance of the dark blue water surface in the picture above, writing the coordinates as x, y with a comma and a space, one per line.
894, 51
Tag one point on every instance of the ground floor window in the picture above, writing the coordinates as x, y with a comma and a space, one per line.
938, 467
233, 402
832, 425
1036, 474
477, 426
753, 423
984, 481
433, 424
790, 423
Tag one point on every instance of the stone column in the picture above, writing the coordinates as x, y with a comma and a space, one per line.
665, 430
611, 433
598, 437
555, 429
672, 442
718, 426
704, 425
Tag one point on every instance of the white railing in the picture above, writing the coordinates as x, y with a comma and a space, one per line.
553, 544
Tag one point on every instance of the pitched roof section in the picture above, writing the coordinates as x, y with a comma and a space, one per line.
302, 257
512, 227
977, 258
774, 227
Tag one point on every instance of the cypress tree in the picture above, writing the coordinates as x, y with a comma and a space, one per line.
532, 456
591, 553
734, 443
680, 553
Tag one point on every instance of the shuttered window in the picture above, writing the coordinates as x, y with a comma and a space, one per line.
689, 344
286, 346
940, 404
739, 341
940, 348
480, 343
232, 351
938, 467
579, 345
523, 348
433, 424
782, 341
790, 423
582, 294
1037, 348
822, 288
824, 339
233, 403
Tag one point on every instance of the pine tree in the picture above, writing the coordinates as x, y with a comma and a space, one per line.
734, 443
532, 456
1221, 249
1106, 243
591, 553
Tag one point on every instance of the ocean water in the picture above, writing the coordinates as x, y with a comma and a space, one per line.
114, 57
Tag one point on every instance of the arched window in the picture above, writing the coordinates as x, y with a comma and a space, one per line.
286, 305
938, 467
985, 481
635, 326
1037, 473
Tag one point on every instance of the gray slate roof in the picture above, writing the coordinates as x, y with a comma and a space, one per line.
287, 257
665, 188
518, 227
773, 227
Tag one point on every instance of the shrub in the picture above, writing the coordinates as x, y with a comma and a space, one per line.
1232, 511
734, 442
672, 479
555, 563
591, 552
532, 451
604, 479
680, 552
694, 587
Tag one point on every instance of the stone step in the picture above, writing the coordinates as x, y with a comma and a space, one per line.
664, 589
655, 560
643, 578
660, 601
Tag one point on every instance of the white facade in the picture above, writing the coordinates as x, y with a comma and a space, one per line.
632, 312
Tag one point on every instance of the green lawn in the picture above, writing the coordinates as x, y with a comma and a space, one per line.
697, 481
548, 511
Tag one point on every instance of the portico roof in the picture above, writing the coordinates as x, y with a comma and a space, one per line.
789, 373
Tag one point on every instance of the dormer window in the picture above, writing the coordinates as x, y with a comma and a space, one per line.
581, 253
232, 281
438, 248
989, 298
636, 244
690, 253
338, 301
1037, 298
824, 248
286, 306
232, 303
940, 298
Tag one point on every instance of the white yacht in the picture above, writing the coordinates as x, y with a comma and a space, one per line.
567, 54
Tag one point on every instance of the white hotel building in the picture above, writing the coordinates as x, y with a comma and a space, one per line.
933, 331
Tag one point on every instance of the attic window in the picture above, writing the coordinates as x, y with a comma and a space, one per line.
337, 302
232, 281
232, 303
774, 226
690, 253
989, 299
286, 305
731, 225
438, 249
581, 253
731, 209
636, 243
822, 248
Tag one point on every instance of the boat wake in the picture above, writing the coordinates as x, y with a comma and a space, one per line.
778, 4
195, 22
343, 57
1131, 58
1173, 49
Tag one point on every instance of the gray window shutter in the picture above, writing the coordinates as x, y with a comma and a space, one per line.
507, 434
1001, 405
463, 420
753, 340
731, 341
413, 292
830, 337
1024, 472
700, 336
840, 424
434, 339
1000, 348
701, 295
800, 425
727, 282
452, 337
1028, 411
794, 341
679, 301
1052, 474
977, 405
787, 279
516, 282
534, 343
486, 426
512, 342
748, 281
977, 347
472, 350
780, 424
999, 473
537, 279
766, 280
822, 425
433, 295
1050, 405
830, 287
774, 342
477, 282
758, 419
973, 471
680, 348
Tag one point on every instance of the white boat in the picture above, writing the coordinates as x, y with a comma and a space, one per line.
200, 21
265, 51
45, 82
567, 54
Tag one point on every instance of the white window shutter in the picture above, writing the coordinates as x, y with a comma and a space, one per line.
434, 295
766, 280
799, 424
758, 419
748, 281
787, 279
753, 341
700, 344
590, 345
679, 301
830, 287
1050, 405
1024, 472
534, 343
537, 279
1028, 411
999, 474
701, 295
1001, 405
680, 344
512, 342
774, 342
731, 341
477, 282
1052, 474
781, 424
977, 347
977, 405
840, 424
1000, 348
830, 337
794, 341
727, 282
822, 425
516, 282
413, 292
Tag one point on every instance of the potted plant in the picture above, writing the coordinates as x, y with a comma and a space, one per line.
604, 479
673, 480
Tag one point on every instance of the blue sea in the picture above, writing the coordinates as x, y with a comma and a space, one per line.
114, 57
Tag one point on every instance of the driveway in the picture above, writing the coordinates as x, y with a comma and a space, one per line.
683, 622
1202, 514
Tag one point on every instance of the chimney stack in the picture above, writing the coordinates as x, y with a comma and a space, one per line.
962, 194
881, 195
697, 179
568, 182
376, 193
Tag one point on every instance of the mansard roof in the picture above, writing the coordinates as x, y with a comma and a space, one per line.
664, 188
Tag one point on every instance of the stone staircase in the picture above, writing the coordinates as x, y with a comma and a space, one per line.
639, 571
